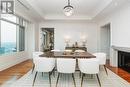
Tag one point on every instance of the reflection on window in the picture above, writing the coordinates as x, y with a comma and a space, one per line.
21, 38
12, 34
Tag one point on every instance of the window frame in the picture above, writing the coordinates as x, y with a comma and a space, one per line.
18, 25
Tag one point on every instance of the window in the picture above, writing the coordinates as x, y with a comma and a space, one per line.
8, 37
12, 34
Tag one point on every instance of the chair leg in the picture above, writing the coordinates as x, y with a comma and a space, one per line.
33, 68
98, 80
82, 80
57, 79
34, 78
80, 74
73, 79
50, 78
53, 72
105, 69
42, 74
99, 67
91, 76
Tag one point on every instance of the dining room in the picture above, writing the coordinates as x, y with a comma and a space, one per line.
64, 43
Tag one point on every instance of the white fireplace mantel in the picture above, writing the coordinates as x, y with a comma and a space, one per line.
114, 54
125, 49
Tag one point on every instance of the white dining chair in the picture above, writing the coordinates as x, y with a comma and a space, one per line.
36, 55
102, 59
79, 51
67, 66
67, 50
89, 66
44, 64
55, 50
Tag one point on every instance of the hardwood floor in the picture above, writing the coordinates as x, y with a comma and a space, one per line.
16, 71
125, 75
21, 69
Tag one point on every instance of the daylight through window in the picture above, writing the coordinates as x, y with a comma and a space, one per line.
12, 34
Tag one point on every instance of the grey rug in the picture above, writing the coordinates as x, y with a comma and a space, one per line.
112, 80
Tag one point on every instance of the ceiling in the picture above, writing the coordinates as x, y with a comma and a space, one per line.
83, 9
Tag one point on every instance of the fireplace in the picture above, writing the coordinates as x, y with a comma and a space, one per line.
124, 60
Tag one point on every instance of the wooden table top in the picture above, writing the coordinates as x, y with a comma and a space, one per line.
68, 55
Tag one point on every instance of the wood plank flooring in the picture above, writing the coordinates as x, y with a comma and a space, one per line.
16, 71
21, 69
125, 75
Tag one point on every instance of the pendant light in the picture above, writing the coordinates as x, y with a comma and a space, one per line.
68, 10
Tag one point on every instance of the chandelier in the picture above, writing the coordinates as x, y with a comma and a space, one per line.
68, 10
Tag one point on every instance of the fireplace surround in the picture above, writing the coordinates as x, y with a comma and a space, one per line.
124, 60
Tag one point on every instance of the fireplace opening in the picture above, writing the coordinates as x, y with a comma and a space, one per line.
124, 60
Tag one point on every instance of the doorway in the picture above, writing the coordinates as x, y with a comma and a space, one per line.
105, 39
47, 39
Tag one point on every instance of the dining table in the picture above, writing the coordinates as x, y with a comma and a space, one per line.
63, 54
70, 55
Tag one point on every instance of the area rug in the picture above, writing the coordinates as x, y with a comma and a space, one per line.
110, 80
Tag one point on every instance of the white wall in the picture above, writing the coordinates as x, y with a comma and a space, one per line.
36, 37
9, 60
105, 40
120, 29
74, 29
120, 26
30, 39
